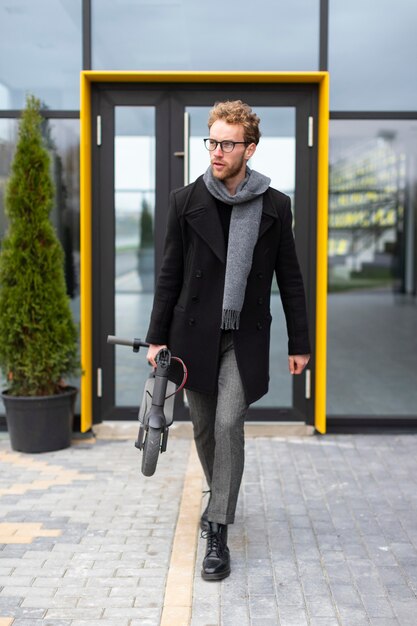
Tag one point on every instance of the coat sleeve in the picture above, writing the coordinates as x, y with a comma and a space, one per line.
169, 281
290, 283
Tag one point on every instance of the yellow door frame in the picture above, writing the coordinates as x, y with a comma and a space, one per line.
90, 77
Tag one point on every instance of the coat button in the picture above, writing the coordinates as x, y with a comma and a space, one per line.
260, 300
191, 321
199, 274
259, 326
260, 275
194, 298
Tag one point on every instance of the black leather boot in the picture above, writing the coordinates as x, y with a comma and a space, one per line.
216, 563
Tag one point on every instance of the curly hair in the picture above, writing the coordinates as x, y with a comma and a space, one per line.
237, 112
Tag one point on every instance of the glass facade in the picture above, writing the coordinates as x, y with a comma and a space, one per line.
169, 35
372, 317
40, 52
8, 138
369, 50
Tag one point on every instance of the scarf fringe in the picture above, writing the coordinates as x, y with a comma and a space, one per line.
230, 319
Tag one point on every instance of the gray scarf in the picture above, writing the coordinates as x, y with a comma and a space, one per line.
243, 234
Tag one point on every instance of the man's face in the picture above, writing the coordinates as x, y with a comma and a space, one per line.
229, 165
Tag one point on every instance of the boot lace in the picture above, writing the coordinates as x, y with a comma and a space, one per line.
214, 541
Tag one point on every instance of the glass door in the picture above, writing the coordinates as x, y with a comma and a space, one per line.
134, 213
151, 142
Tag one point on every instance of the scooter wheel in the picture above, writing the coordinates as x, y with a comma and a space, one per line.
151, 449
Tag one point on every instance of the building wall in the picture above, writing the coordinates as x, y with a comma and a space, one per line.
368, 46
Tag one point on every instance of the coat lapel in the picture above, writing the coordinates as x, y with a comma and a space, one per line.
202, 215
269, 215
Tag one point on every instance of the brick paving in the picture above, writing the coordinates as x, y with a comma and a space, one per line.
325, 535
108, 565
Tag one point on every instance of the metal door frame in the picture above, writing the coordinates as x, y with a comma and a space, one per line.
170, 103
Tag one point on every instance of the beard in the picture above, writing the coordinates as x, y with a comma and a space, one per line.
230, 171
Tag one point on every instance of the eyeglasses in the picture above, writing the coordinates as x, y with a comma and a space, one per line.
225, 146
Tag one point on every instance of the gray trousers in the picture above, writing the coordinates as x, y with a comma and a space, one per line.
218, 422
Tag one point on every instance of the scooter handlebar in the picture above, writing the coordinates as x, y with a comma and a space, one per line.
132, 343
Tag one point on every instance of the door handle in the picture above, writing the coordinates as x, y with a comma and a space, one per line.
186, 147
186, 153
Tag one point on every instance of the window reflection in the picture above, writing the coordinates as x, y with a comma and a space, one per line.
168, 35
40, 52
372, 321
372, 52
64, 147
8, 138
366, 214
134, 207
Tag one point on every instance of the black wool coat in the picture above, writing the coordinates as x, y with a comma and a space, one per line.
188, 299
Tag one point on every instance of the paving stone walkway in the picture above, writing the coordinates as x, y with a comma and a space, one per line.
325, 535
108, 565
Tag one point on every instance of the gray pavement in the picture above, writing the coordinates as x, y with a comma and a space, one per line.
325, 535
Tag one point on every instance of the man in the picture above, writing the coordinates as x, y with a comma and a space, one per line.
227, 233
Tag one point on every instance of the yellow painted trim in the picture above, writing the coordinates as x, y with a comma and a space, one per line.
93, 76
86, 258
203, 77
321, 258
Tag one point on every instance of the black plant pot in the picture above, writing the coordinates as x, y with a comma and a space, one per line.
40, 423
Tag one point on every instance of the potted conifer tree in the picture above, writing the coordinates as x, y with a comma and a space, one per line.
38, 337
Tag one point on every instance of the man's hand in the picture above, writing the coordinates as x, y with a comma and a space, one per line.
297, 363
152, 352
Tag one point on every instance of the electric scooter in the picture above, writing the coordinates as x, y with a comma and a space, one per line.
157, 407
